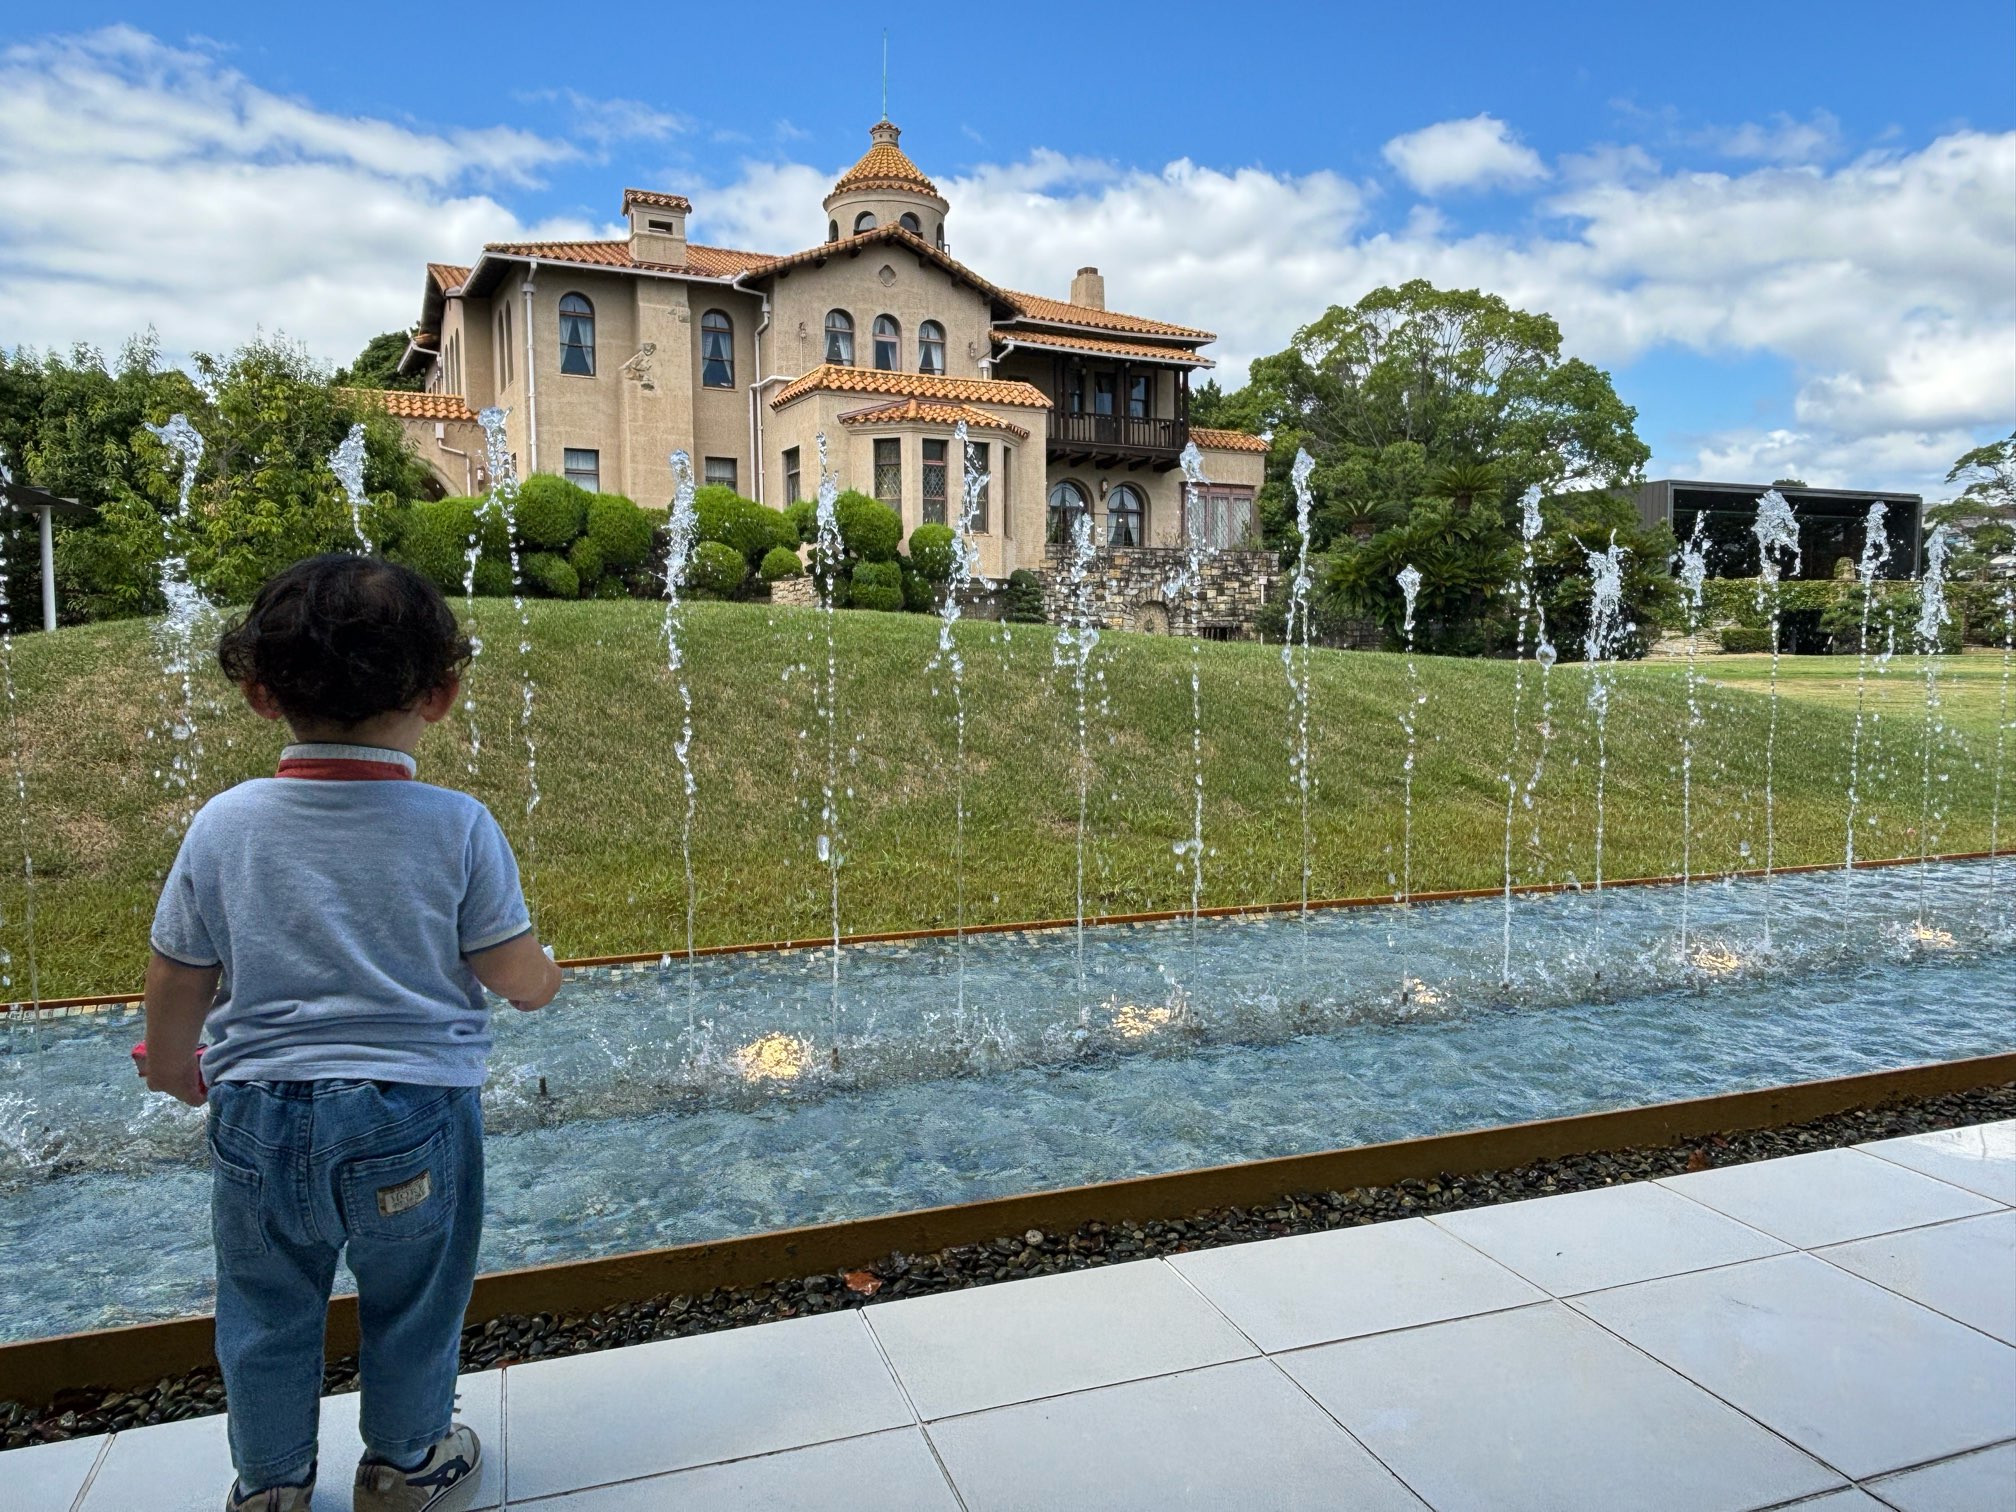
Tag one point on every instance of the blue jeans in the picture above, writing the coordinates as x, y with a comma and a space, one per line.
299, 1170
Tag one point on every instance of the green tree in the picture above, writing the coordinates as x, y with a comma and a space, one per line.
377, 366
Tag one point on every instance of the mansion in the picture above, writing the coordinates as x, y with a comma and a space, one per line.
609, 355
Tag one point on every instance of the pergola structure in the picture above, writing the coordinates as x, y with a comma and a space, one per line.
45, 505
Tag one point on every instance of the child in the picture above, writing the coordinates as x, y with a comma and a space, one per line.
327, 929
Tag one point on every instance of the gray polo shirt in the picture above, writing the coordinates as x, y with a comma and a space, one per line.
342, 912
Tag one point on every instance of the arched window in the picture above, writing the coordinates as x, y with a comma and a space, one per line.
909, 222
865, 221
577, 335
940, 237
840, 338
1125, 517
1067, 503
888, 343
832, 230
717, 350
931, 347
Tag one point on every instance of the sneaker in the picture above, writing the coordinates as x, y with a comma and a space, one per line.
450, 1465
272, 1499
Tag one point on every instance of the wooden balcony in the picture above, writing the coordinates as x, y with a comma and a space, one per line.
1116, 441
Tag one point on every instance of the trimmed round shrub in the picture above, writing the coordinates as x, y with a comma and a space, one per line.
804, 520
877, 585
1025, 597
869, 529
585, 557
932, 552
493, 578
551, 511
610, 588
716, 571
1744, 638
781, 562
621, 531
920, 594
548, 573
724, 515
434, 540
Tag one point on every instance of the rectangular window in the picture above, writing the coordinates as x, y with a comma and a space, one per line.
791, 476
1140, 396
889, 472
1225, 519
981, 454
934, 482
721, 470
1103, 386
585, 468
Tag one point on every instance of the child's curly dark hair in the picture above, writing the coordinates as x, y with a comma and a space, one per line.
340, 639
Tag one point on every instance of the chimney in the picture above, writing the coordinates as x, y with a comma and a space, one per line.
657, 226
1089, 289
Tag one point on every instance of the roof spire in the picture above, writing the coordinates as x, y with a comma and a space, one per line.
885, 73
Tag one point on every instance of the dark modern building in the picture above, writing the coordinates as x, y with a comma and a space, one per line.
1832, 523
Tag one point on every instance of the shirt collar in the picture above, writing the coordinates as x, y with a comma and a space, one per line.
312, 759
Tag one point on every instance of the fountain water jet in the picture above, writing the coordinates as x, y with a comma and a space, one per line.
2007, 605
1295, 664
965, 565
1077, 639
1189, 583
828, 552
1777, 531
1875, 556
681, 526
1523, 597
1600, 647
1933, 617
175, 635
1410, 590
20, 775
501, 503
347, 462
1693, 573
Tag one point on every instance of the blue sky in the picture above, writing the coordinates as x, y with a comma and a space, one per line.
1789, 230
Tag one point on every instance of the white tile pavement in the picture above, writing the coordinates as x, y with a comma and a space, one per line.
1822, 1332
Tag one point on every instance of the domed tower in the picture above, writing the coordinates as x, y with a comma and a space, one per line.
885, 189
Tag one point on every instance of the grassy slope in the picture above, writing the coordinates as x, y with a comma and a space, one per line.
602, 854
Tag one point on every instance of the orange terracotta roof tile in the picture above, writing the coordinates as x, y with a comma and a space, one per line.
706, 262
932, 414
894, 234
447, 276
886, 166
655, 200
1226, 440
1064, 341
1058, 312
407, 405
852, 380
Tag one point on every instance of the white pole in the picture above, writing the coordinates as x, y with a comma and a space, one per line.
48, 571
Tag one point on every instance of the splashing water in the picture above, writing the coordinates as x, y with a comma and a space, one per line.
1295, 664
501, 504
2008, 608
1600, 647
681, 526
1693, 573
497, 464
1077, 639
1189, 583
829, 553
965, 567
1875, 556
1933, 617
20, 775
347, 462
1524, 606
1777, 533
1410, 590
175, 636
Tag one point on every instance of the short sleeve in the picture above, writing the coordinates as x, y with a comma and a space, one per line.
180, 931
493, 906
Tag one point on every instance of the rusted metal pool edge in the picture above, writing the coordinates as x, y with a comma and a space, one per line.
35, 1370
1158, 916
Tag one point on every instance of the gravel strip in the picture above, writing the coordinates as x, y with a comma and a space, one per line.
515, 1339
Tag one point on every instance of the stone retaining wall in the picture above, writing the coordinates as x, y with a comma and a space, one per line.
1130, 590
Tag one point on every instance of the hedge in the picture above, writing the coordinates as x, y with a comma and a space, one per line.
804, 519
621, 531
551, 511
716, 571
781, 562
877, 585
870, 531
549, 574
585, 557
932, 551
1745, 638
724, 516
920, 594
434, 541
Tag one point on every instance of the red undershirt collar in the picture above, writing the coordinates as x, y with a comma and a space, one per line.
319, 761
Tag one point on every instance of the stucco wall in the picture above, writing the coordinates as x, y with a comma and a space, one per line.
915, 291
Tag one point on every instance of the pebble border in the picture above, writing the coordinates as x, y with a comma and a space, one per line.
517, 1339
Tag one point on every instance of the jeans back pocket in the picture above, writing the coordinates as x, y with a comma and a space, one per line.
407, 1196
237, 1224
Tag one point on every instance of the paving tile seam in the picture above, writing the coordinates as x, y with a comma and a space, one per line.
1916, 1171
1821, 1255
1669, 1183
1869, 1483
916, 1417
1786, 1247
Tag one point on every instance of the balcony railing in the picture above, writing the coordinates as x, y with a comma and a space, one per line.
1116, 436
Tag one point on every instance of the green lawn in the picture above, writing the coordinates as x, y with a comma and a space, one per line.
601, 852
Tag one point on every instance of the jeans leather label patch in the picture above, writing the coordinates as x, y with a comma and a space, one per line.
394, 1200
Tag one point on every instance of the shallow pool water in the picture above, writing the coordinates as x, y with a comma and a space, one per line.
660, 1105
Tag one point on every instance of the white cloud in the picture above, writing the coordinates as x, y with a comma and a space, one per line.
1477, 153
141, 184
1780, 140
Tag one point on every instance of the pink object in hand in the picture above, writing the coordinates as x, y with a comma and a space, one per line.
139, 1054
